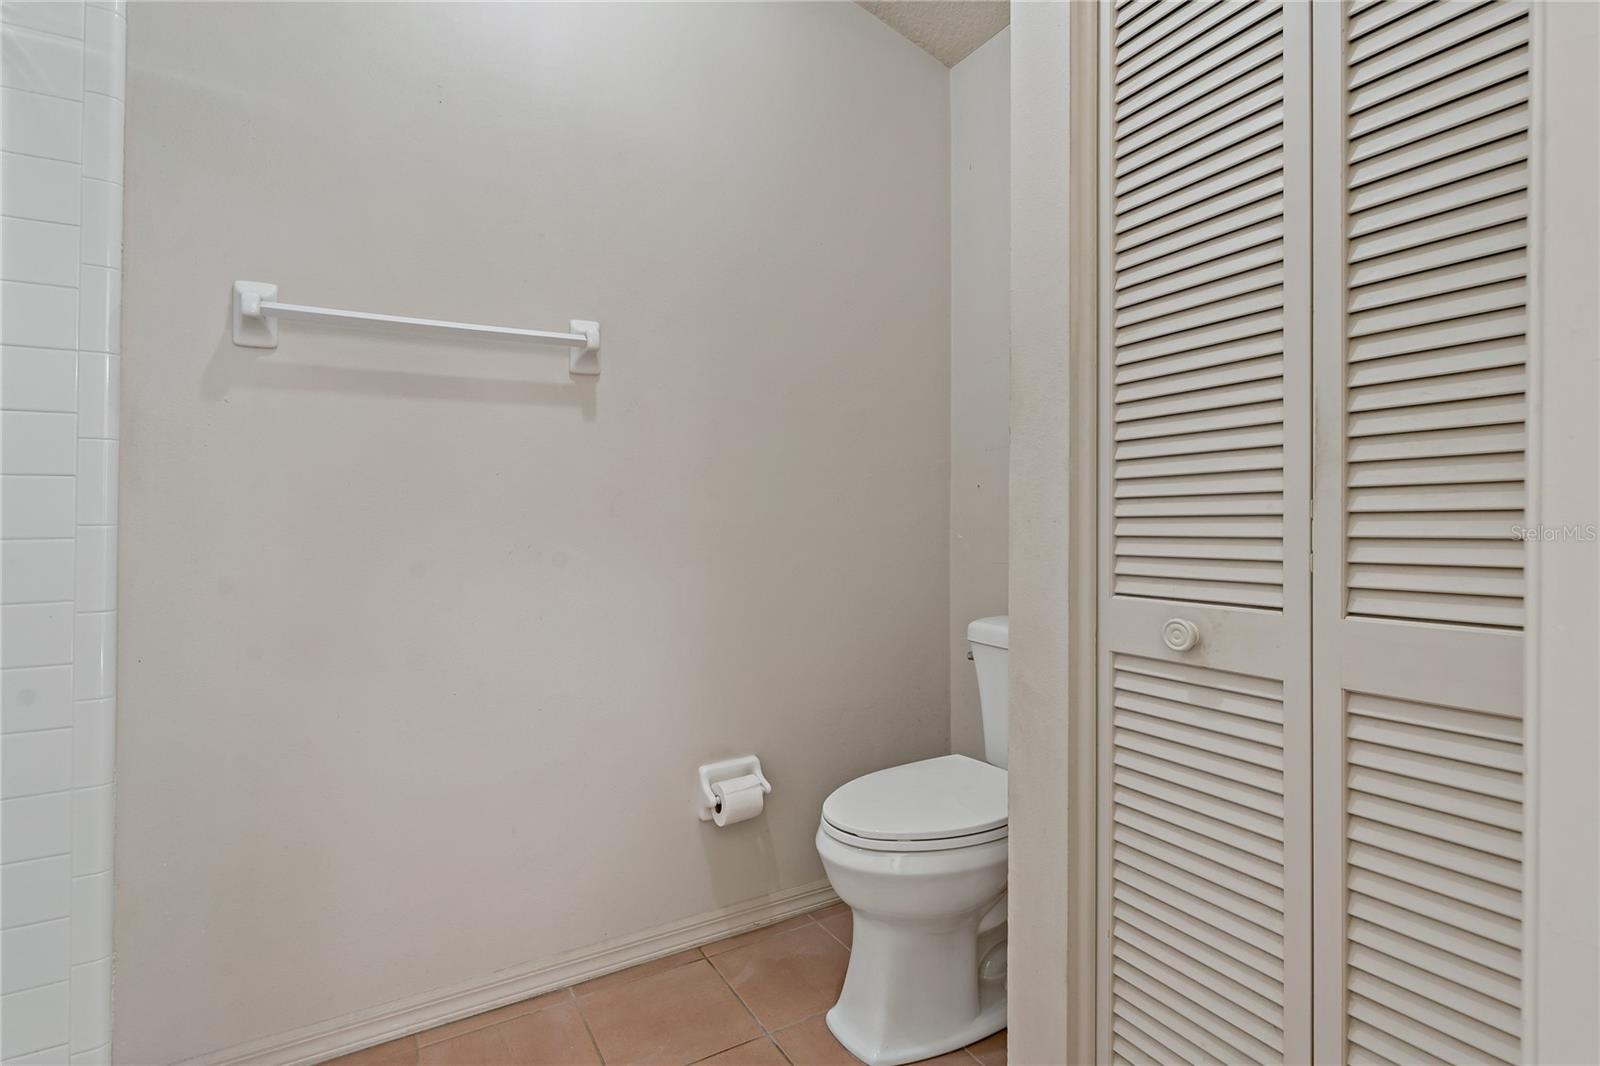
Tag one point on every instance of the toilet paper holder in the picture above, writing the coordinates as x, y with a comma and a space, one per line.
727, 770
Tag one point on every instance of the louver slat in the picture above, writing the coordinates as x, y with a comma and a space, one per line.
1198, 860
1433, 802
1198, 275
1436, 315
1203, 810
1422, 120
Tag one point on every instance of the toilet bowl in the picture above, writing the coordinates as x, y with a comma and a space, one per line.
918, 852
927, 957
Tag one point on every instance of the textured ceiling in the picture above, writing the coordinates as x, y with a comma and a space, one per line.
948, 30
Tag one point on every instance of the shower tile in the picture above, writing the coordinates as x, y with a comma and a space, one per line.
32, 827
39, 316
35, 955
101, 222
91, 1005
45, 126
37, 506
36, 1020
99, 382
92, 905
93, 742
36, 571
45, 189
102, 137
37, 379
91, 832
35, 763
95, 570
46, 252
51, 16
35, 891
105, 52
36, 697
40, 62
37, 634
97, 482
95, 656
99, 309
37, 442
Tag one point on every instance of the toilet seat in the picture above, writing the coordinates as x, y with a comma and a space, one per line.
933, 805
938, 844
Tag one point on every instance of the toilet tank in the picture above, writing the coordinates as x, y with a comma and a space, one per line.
989, 639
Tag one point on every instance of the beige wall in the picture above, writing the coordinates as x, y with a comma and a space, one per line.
423, 641
1052, 566
980, 355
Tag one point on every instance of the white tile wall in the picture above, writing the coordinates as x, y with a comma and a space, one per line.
38, 697
36, 890
62, 72
36, 379
40, 188
44, 126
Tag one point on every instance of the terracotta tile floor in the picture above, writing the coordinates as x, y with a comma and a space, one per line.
755, 999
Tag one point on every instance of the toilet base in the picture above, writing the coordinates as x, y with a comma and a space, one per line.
920, 989
991, 1018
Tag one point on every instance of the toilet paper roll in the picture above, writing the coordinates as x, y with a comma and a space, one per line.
738, 799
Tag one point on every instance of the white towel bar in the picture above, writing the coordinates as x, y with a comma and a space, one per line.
256, 310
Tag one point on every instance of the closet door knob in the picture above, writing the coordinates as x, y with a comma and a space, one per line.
1180, 634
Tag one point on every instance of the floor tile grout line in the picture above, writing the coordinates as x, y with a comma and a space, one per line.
688, 962
577, 1002
834, 935
490, 1025
729, 985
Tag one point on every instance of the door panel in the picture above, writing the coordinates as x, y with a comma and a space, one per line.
1204, 463
1421, 203
1299, 199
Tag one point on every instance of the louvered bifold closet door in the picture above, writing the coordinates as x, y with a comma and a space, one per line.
1421, 229
1204, 767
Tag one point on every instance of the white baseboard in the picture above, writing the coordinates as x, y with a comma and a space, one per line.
339, 1036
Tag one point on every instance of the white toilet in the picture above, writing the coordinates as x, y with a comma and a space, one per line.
919, 853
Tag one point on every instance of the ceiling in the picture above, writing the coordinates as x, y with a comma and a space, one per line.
948, 30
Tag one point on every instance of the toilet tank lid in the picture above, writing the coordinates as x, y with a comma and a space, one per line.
993, 632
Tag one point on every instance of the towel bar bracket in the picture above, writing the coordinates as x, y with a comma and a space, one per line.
256, 313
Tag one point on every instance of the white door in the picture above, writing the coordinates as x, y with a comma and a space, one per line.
1310, 834
1204, 834
1421, 233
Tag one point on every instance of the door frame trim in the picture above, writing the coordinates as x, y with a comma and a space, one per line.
1053, 549
1561, 944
